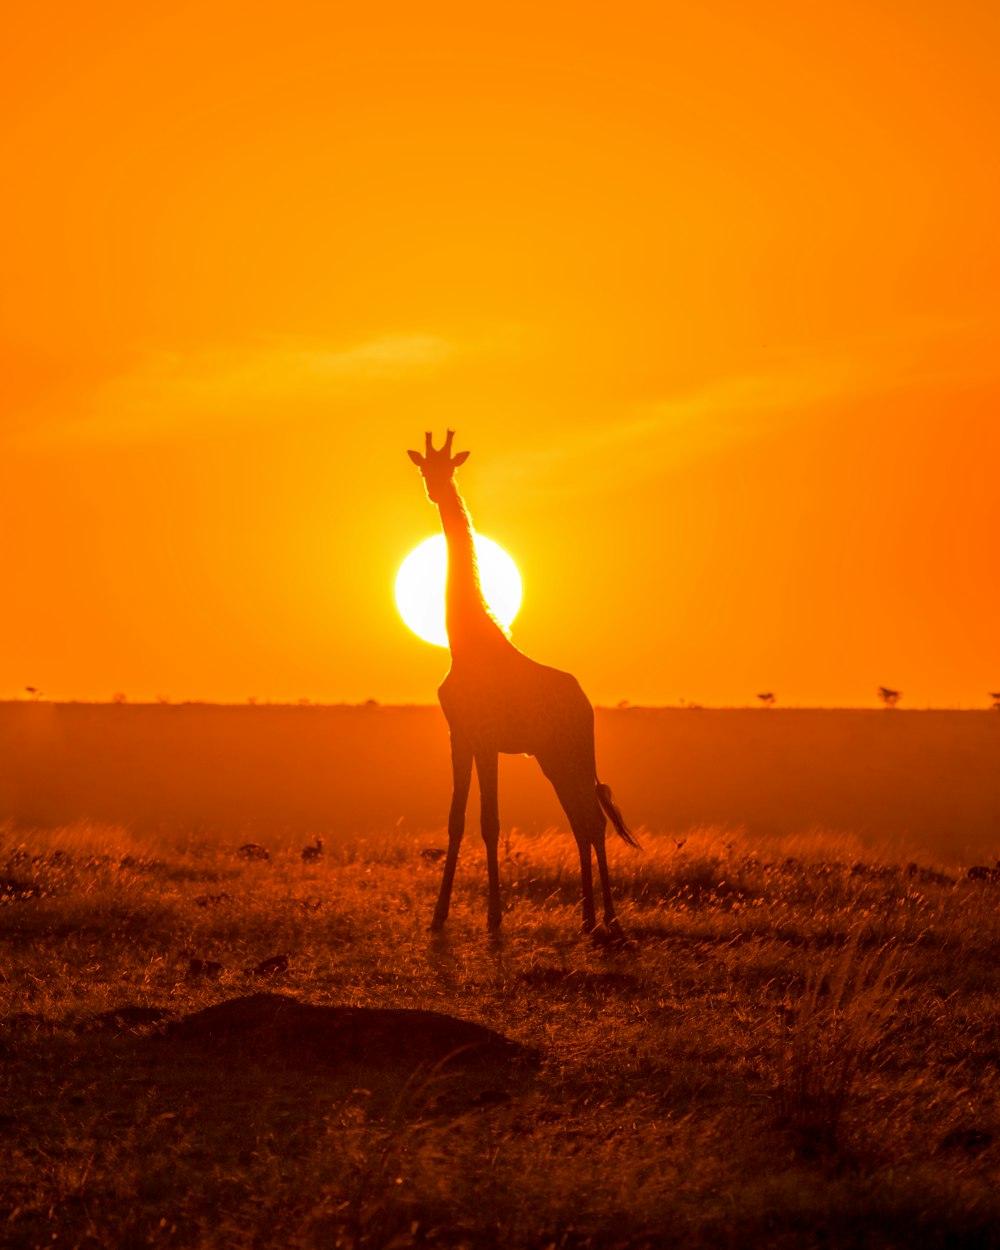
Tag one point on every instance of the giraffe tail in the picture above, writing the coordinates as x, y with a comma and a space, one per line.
613, 813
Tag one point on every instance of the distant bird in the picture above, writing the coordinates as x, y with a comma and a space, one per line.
767, 698
971, 1139
995, 696
311, 853
14, 890
211, 900
268, 967
203, 968
889, 697
253, 850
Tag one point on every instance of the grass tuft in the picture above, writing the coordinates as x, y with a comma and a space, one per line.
835, 1028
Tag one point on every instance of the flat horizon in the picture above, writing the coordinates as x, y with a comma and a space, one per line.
620, 706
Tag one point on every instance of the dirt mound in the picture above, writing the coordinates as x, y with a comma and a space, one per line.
269, 1028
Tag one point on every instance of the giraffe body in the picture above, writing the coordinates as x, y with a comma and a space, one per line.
519, 707
499, 701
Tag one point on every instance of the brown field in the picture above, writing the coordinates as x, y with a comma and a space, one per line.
798, 1047
925, 779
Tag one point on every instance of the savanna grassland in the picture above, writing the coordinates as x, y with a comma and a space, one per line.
799, 1046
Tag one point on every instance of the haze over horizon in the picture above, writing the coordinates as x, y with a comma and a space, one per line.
711, 297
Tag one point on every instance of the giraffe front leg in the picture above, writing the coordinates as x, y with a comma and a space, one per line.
489, 811
461, 768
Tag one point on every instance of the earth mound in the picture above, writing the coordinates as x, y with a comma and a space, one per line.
270, 1028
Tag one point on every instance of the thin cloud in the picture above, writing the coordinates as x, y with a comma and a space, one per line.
720, 413
685, 426
171, 392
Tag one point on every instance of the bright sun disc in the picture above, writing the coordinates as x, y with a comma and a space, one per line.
421, 579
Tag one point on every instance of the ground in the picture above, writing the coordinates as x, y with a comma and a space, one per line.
798, 1046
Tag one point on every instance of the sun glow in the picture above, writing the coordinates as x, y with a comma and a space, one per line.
421, 579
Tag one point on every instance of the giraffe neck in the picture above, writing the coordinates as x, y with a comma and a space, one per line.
472, 628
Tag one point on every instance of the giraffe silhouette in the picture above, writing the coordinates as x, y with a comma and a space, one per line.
495, 700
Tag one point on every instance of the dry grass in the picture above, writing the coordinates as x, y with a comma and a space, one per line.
837, 1025
799, 1048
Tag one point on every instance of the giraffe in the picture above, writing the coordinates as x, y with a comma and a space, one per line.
498, 700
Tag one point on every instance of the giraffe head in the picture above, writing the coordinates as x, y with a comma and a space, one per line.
438, 466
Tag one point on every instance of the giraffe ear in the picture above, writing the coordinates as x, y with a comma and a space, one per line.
417, 458
460, 458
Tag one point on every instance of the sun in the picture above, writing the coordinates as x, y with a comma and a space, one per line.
421, 578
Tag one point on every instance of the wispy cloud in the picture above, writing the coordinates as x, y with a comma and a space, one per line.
746, 404
686, 425
166, 393
739, 404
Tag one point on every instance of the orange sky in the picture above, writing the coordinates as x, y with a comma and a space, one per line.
710, 292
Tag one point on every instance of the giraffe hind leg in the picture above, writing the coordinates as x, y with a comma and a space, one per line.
611, 921
586, 884
587, 821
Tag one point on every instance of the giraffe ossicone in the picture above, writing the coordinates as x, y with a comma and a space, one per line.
499, 701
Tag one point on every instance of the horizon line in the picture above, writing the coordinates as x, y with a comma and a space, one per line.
623, 705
